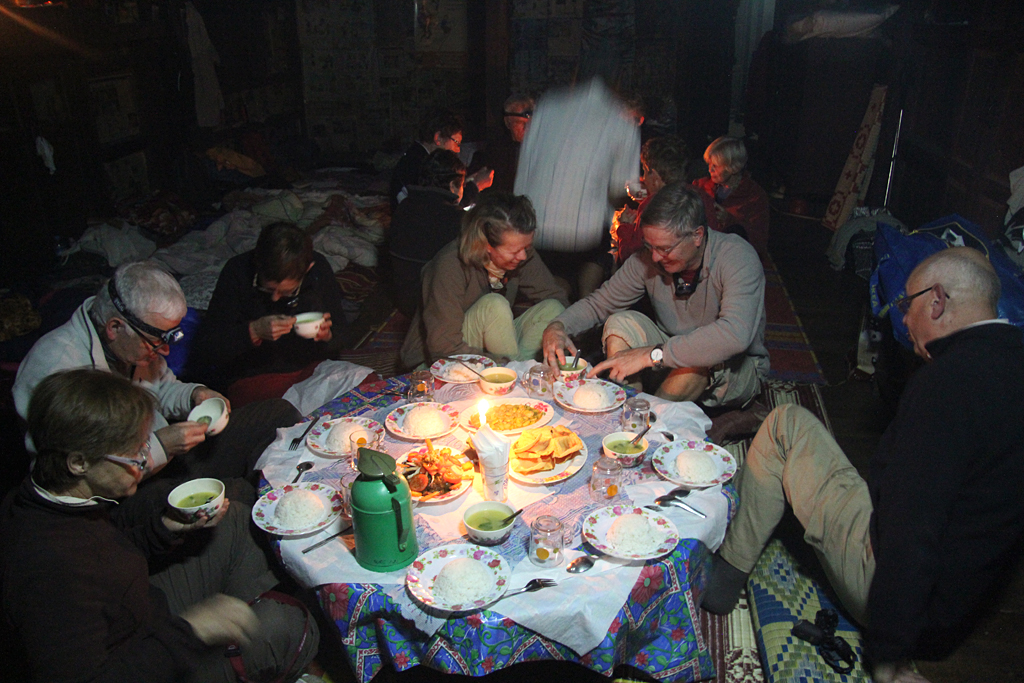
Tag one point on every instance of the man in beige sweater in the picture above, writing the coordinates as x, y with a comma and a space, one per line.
707, 291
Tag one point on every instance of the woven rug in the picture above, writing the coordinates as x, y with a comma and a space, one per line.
731, 637
793, 359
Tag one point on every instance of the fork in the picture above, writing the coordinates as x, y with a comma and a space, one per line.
533, 585
297, 441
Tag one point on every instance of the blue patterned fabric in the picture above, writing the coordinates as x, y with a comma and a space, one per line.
779, 596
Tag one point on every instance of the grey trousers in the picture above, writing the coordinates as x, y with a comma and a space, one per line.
794, 459
227, 560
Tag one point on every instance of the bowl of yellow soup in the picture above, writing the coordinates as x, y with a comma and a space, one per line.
617, 445
571, 371
497, 381
195, 498
483, 522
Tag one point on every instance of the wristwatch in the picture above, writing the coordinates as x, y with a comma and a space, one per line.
658, 356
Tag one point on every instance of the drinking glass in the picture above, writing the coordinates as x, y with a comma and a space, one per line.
547, 541
421, 386
636, 190
606, 480
361, 439
345, 486
635, 415
539, 381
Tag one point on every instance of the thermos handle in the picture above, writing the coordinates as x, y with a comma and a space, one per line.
403, 531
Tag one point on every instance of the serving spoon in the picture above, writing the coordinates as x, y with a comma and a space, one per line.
467, 366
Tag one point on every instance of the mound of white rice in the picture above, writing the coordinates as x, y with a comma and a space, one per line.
591, 397
337, 438
425, 421
460, 373
696, 466
299, 509
633, 535
461, 581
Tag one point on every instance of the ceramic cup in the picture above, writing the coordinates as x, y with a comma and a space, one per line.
188, 514
216, 410
307, 325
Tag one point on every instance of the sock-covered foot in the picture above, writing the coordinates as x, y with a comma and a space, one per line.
724, 587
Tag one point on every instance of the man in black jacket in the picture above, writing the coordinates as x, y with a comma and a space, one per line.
913, 553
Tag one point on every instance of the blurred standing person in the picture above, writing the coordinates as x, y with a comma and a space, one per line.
582, 147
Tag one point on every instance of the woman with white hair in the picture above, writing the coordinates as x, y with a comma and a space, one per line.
469, 288
741, 205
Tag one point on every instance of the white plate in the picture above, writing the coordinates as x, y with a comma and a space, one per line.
317, 437
547, 412
444, 497
426, 567
396, 419
442, 367
598, 523
562, 471
664, 461
565, 391
264, 510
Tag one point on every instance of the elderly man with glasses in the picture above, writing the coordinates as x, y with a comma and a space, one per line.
915, 550
707, 291
127, 330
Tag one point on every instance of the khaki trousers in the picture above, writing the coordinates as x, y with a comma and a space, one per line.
488, 325
794, 459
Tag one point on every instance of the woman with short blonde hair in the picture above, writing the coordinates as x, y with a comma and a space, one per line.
741, 205
470, 286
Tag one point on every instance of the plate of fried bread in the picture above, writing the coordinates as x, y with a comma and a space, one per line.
546, 455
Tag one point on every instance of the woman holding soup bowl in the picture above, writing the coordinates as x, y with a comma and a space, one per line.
470, 285
95, 591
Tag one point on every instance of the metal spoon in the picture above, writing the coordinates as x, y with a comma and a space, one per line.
636, 439
672, 501
582, 564
511, 518
302, 467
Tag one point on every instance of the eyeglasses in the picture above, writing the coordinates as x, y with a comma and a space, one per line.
141, 462
903, 303
663, 251
291, 301
519, 114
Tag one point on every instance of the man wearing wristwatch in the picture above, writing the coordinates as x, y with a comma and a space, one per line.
707, 291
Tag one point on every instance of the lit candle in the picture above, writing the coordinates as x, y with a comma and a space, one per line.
482, 406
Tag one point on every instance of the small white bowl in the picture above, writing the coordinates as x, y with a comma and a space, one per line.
574, 371
215, 409
190, 513
630, 460
497, 388
308, 324
488, 537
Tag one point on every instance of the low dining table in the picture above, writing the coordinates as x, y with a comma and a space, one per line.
641, 614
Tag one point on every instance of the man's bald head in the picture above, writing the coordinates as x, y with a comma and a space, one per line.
949, 290
967, 276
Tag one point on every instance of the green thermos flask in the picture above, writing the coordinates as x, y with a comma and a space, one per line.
382, 514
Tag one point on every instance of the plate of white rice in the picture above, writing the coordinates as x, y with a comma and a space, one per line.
458, 577
297, 509
589, 395
630, 533
422, 420
330, 437
694, 464
456, 373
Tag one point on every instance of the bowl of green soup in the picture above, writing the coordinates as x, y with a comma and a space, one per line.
618, 445
195, 498
483, 522
497, 381
572, 371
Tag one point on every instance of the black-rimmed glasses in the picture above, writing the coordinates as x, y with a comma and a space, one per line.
903, 303
291, 301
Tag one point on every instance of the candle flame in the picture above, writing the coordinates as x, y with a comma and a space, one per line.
482, 407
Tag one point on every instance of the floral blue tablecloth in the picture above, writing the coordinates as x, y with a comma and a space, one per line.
654, 631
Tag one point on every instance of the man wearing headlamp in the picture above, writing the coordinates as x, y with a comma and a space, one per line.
127, 329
